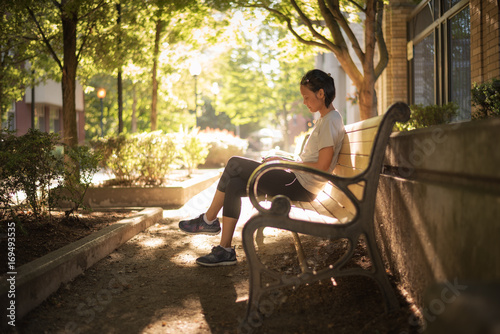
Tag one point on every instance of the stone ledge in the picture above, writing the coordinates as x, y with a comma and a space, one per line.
162, 196
36, 280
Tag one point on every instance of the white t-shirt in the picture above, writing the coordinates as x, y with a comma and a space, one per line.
328, 131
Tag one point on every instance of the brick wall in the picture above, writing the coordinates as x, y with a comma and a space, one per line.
392, 85
485, 52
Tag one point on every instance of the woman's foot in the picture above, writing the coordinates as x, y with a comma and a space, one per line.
218, 257
199, 226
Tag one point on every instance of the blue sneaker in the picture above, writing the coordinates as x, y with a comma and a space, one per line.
218, 257
198, 226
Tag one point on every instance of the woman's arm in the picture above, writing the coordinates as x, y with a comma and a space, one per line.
324, 159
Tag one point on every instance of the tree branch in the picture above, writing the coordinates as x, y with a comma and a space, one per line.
382, 47
342, 22
308, 23
57, 4
357, 5
45, 40
290, 26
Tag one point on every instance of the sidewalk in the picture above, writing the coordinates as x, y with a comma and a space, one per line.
151, 284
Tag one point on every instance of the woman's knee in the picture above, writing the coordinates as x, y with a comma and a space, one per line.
234, 166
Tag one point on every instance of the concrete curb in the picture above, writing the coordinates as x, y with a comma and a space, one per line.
36, 280
161, 196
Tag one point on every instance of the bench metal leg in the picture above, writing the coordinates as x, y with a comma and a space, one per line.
379, 274
255, 312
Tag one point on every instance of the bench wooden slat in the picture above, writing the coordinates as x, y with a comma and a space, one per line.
312, 213
346, 171
336, 203
361, 135
350, 160
368, 123
360, 148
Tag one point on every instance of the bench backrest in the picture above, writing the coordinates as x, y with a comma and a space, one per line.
360, 158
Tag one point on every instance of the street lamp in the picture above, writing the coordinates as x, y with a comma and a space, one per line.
195, 70
215, 89
101, 94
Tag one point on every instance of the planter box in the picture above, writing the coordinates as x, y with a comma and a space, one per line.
438, 206
160, 196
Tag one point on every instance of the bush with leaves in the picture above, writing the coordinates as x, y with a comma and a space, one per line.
9, 184
118, 154
80, 165
156, 152
222, 146
29, 166
144, 158
33, 167
424, 116
193, 150
486, 98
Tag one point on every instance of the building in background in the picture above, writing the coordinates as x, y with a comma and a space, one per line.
47, 110
437, 50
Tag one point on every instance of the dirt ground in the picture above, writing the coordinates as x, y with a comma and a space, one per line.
151, 284
47, 233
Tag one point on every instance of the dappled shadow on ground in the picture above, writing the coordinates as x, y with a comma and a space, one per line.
151, 284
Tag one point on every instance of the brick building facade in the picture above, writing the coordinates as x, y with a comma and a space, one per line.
407, 23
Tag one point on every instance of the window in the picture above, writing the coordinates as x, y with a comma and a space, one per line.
460, 82
54, 120
424, 71
40, 118
439, 38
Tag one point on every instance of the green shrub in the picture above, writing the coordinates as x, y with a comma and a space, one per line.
9, 184
143, 158
118, 154
486, 98
156, 153
29, 166
422, 117
193, 150
80, 165
222, 146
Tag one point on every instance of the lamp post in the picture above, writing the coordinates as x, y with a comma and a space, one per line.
195, 70
101, 94
215, 90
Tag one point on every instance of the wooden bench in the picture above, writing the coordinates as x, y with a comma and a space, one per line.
344, 210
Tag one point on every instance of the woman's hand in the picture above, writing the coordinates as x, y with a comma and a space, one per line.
266, 159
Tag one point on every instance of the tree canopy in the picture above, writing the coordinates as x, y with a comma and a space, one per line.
327, 24
255, 51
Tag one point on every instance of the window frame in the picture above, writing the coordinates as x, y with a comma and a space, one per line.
440, 28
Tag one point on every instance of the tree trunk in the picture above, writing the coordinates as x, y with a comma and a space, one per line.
156, 53
134, 110
120, 81
120, 101
69, 26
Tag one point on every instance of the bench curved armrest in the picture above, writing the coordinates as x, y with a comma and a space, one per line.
341, 182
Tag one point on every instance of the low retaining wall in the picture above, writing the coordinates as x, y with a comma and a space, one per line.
438, 206
161, 196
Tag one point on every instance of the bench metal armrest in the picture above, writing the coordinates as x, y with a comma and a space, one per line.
341, 182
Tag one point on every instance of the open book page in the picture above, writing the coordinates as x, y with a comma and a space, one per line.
282, 154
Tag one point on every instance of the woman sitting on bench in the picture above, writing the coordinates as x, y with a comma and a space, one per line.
320, 151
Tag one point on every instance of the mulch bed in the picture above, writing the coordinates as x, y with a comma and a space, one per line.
37, 237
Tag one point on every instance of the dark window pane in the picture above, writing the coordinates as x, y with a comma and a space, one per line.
459, 41
423, 67
423, 19
451, 3
40, 118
